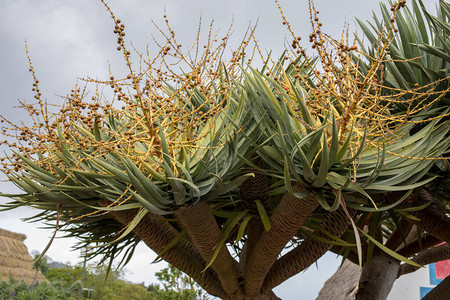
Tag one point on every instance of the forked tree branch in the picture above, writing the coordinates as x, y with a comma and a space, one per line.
287, 218
157, 235
305, 254
201, 225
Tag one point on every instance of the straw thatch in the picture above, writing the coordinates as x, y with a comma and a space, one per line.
343, 284
15, 260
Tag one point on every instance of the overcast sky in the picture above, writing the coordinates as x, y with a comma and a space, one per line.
73, 39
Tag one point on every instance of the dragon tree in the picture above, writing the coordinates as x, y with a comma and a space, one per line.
243, 171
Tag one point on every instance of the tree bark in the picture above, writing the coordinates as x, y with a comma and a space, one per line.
307, 252
289, 215
343, 285
429, 256
395, 239
440, 292
157, 234
255, 188
432, 219
205, 233
417, 245
376, 280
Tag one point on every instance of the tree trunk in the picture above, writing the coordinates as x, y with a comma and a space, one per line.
307, 252
205, 233
377, 279
343, 284
157, 235
287, 218
440, 292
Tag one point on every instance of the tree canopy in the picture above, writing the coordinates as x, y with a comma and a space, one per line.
219, 165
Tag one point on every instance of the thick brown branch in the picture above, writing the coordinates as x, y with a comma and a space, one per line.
432, 219
395, 239
287, 218
305, 254
255, 188
157, 234
205, 233
412, 236
418, 246
432, 255
440, 291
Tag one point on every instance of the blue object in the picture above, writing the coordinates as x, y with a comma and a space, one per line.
424, 291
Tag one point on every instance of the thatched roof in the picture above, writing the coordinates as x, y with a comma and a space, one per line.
15, 260
343, 284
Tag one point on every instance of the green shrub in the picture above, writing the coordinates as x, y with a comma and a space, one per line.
20, 290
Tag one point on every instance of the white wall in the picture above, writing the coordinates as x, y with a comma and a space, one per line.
408, 286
